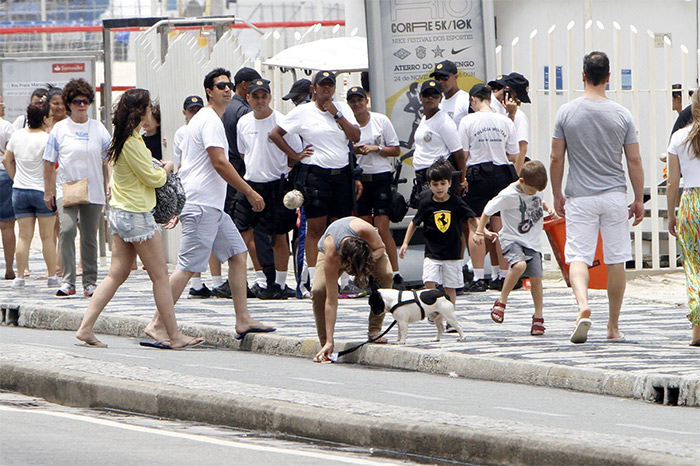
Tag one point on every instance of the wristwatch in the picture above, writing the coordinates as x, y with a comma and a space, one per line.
338, 115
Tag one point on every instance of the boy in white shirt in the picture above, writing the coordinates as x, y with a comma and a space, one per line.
522, 212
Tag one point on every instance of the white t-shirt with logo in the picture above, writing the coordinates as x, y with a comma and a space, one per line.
203, 184
264, 161
457, 106
488, 137
28, 149
522, 124
6, 130
80, 149
435, 137
323, 132
521, 215
377, 132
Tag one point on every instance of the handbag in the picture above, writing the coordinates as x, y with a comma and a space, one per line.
75, 192
170, 198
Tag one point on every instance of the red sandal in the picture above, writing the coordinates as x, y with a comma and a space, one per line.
537, 326
497, 312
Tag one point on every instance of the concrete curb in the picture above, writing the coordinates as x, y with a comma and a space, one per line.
671, 390
465, 444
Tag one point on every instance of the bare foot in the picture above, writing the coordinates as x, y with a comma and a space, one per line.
157, 335
89, 338
183, 341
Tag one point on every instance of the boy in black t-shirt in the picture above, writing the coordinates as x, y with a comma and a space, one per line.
441, 215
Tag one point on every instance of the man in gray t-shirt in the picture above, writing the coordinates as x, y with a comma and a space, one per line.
594, 132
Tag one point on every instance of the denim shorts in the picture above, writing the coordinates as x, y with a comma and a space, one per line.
132, 227
7, 213
30, 203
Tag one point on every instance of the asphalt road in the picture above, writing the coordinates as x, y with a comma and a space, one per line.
536, 406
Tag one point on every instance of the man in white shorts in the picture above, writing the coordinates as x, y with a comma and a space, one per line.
594, 132
206, 228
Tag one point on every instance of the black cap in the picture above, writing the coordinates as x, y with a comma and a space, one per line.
258, 84
193, 101
480, 90
322, 75
445, 68
245, 74
356, 90
430, 84
300, 87
498, 83
519, 85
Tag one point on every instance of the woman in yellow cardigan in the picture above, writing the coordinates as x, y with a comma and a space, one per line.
135, 231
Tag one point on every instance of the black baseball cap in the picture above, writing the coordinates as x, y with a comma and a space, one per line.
257, 84
480, 90
519, 85
193, 101
429, 85
356, 90
445, 68
300, 87
323, 75
245, 74
498, 83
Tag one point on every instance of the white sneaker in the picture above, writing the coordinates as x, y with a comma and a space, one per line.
18, 283
89, 290
53, 281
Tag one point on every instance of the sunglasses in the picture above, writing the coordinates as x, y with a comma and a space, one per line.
221, 85
79, 102
432, 94
442, 77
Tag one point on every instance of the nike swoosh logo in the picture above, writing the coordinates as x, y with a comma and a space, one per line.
455, 52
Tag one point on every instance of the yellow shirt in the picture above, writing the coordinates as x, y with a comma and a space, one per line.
134, 179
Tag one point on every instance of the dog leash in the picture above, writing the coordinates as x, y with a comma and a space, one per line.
335, 356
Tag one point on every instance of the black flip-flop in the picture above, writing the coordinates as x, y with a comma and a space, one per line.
256, 329
160, 344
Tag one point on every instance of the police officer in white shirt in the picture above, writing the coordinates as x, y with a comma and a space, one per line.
509, 92
456, 101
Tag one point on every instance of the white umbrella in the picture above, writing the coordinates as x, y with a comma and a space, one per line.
337, 54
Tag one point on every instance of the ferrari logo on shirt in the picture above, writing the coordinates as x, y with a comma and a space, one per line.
442, 220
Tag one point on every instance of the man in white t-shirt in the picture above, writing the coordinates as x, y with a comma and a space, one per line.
205, 172
267, 168
509, 92
456, 101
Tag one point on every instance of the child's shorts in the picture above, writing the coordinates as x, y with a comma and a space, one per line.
447, 273
515, 253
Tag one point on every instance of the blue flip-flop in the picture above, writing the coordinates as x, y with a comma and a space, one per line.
160, 344
256, 329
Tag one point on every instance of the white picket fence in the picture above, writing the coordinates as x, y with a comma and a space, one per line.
651, 65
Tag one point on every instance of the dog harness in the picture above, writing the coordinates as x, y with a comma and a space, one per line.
415, 300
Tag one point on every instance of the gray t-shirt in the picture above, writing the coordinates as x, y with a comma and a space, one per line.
595, 132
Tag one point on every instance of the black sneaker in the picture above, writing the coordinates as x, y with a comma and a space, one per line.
477, 286
272, 292
467, 274
257, 290
496, 284
289, 292
249, 292
201, 293
398, 283
222, 291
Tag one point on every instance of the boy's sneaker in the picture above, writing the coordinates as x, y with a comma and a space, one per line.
398, 283
53, 281
89, 290
66, 289
477, 286
201, 293
222, 291
496, 284
18, 283
351, 291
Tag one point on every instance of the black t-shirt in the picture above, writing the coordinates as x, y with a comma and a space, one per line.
235, 110
442, 226
684, 119
153, 144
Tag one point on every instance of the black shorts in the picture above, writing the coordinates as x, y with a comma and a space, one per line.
275, 218
327, 192
376, 194
486, 180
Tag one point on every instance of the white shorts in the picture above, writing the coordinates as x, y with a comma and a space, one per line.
606, 212
447, 273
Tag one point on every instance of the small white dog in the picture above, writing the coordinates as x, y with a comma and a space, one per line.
412, 306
